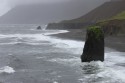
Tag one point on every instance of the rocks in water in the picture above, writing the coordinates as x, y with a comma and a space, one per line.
39, 28
94, 45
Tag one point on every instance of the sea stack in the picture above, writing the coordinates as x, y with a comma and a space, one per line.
94, 45
39, 27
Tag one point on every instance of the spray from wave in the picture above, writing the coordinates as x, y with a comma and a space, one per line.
7, 70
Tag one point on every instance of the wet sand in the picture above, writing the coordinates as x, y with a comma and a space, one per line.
114, 42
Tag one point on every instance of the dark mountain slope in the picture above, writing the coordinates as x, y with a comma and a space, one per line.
114, 26
105, 11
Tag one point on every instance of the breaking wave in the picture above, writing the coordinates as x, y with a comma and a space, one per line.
7, 70
109, 71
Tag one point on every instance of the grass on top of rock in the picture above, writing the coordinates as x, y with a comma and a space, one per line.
120, 16
97, 31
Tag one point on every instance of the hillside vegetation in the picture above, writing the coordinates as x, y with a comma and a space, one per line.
105, 11
120, 16
115, 25
110, 13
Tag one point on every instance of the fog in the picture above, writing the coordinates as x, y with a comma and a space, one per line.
6, 5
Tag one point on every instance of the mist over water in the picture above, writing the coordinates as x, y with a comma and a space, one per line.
28, 55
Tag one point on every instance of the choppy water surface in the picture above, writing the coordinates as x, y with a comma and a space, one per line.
28, 55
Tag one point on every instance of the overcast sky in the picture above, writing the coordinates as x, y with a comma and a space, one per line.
6, 5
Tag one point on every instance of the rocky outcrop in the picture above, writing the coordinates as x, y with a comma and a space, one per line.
113, 27
39, 27
94, 45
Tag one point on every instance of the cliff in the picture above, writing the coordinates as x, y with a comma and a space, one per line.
67, 25
103, 12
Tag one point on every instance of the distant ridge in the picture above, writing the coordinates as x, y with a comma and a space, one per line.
40, 13
105, 11
33, 14
46, 13
116, 0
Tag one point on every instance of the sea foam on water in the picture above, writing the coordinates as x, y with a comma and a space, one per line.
7, 69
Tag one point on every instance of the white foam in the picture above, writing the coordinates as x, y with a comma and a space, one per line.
97, 71
105, 72
114, 58
92, 67
40, 57
36, 37
67, 43
72, 46
33, 39
69, 61
7, 69
56, 32
24, 43
55, 82
20, 36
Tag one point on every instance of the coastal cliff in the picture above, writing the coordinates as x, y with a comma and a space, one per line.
105, 11
114, 26
68, 25
94, 45
114, 30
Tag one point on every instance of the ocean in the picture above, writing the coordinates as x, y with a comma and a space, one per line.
28, 55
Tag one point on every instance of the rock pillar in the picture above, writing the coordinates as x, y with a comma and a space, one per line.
39, 27
94, 45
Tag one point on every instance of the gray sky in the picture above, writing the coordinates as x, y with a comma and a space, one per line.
6, 5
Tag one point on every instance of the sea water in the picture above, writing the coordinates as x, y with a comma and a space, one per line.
28, 55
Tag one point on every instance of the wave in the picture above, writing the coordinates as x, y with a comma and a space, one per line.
7, 70
28, 39
26, 43
37, 39
109, 71
105, 72
41, 36
99, 72
51, 32
72, 61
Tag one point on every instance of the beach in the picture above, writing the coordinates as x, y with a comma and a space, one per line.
114, 42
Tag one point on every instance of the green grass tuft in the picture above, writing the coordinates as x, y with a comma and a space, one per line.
120, 16
97, 31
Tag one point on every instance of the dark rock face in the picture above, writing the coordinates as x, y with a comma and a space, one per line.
39, 27
94, 45
67, 25
113, 27
100, 13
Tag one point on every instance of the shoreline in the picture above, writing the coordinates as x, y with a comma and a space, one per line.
114, 42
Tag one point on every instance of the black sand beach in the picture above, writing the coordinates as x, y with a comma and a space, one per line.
114, 42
